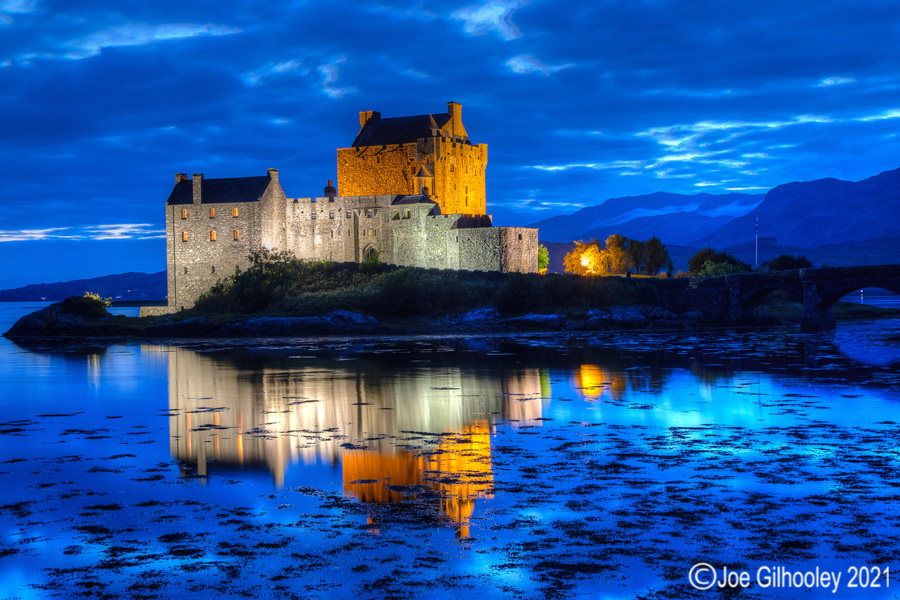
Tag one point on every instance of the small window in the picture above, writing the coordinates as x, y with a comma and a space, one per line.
212, 236
184, 213
237, 270
520, 236
312, 215
185, 270
370, 232
214, 269
369, 214
184, 236
349, 214
378, 160
212, 213
395, 215
331, 215
406, 214
237, 235
452, 168
234, 212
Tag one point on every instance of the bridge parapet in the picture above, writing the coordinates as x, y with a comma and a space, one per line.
734, 297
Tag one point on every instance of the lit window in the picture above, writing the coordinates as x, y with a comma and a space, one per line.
184, 213
212, 236
237, 234
184, 236
212, 213
234, 212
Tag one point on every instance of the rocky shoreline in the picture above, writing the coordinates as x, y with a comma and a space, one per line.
54, 322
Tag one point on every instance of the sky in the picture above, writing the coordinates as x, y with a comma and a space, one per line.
102, 103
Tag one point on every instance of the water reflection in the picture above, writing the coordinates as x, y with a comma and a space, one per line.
396, 434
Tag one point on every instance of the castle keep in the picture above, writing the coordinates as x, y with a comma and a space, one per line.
410, 191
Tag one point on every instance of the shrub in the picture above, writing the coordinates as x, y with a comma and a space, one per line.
785, 262
90, 306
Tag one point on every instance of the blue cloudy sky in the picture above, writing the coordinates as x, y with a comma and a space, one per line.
101, 103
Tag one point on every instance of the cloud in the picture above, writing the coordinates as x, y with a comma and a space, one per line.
527, 63
11, 7
494, 16
329, 74
893, 113
119, 231
829, 81
596, 166
140, 34
278, 69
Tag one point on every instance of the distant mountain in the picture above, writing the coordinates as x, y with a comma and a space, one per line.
125, 286
818, 213
674, 218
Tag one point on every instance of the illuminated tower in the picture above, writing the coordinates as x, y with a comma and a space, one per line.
425, 154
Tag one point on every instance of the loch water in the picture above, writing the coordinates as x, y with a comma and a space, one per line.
591, 465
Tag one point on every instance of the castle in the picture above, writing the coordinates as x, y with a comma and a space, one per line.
410, 191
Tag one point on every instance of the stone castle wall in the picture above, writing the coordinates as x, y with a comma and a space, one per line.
459, 177
457, 168
197, 262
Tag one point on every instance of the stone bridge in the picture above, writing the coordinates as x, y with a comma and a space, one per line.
734, 297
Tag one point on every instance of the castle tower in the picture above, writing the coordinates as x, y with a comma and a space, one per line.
402, 155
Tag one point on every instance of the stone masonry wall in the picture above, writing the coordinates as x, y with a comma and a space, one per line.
197, 262
459, 176
376, 170
458, 169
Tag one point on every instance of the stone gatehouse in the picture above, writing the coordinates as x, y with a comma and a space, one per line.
412, 194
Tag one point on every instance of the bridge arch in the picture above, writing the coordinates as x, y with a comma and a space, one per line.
833, 297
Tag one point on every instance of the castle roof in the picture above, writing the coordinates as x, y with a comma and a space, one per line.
212, 191
399, 130
416, 199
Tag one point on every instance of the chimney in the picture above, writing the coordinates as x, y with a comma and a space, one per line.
368, 115
454, 109
179, 177
330, 191
273, 174
198, 181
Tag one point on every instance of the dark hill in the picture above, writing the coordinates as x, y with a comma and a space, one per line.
826, 212
125, 286
674, 218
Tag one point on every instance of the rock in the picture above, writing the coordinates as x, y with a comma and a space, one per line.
485, 313
347, 316
538, 319
53, 320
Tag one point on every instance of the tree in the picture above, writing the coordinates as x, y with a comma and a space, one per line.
710, 258
657, 257
785, 262
543, 258
618, 260
696, 262
637, 253
583, 259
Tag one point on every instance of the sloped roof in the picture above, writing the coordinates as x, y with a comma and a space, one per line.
424, 172
416, 199
399, 130
218, 191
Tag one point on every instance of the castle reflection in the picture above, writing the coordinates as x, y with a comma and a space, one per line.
396, 433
